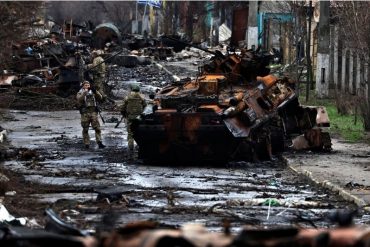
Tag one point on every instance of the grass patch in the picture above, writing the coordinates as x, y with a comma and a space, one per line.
343, 125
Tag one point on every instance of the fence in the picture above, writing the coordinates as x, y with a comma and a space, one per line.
349, 69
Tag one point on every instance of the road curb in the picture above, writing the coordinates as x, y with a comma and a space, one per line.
333, 187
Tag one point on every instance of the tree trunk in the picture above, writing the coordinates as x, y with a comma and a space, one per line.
367, 110
189, 20
175, 20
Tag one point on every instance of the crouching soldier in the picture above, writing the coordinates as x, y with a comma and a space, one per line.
87, 99
133, 105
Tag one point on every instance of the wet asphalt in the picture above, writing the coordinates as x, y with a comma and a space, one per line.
96, 182
111, 180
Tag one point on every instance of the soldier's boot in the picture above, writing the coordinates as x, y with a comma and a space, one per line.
130, 155
101, 145
131, 144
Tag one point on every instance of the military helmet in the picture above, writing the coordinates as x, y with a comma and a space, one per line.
135, 88
97, 52
85, 82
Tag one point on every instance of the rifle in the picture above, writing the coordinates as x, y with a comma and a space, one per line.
110, 100
119, 122
99, 112
102, 119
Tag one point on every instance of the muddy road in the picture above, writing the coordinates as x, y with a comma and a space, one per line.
82, 185
48, 166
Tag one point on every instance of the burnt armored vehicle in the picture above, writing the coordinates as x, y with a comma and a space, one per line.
234, 110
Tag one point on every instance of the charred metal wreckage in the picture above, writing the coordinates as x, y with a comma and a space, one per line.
56, 64
233, 110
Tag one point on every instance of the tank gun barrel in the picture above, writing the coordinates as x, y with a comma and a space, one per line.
108, 58
195, 46
161, 67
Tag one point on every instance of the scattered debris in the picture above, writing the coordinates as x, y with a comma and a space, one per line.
159, 53
3, 133
27, 154
10, 193
5, 217
3, 179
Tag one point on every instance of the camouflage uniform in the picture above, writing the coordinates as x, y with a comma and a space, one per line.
132, 107
98, 73
88, 109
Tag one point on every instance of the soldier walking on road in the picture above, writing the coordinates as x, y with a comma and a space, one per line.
98, 72
87, 101
132, 107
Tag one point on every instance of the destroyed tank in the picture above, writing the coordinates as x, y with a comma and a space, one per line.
234, 110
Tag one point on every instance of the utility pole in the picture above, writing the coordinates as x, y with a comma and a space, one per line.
135, 25
216, 22
308, 53
323, 48
252, 35
143, 23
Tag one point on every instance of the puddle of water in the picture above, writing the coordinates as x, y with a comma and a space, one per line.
68, 181
82, 160
53, 197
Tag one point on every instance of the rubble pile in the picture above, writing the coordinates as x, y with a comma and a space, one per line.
54, 66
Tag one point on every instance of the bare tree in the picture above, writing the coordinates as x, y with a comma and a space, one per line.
353, 18
16, 20
293, 35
